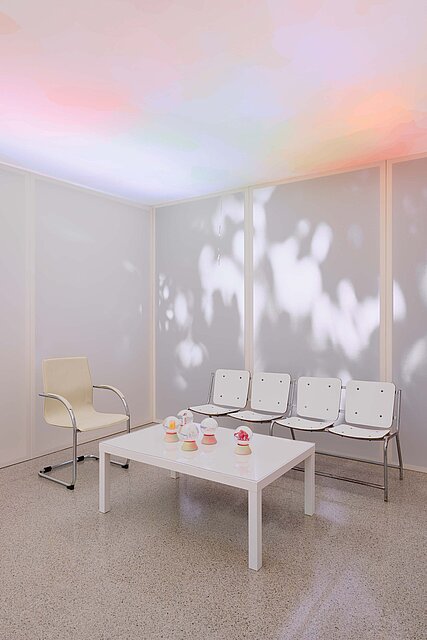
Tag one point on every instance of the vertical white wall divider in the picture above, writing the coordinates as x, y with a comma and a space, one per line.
200, 295
153, 283
248, 284
386, 275
407, 206
15, 328
30, 310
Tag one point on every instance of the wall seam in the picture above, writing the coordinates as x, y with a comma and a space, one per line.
153, 313
248, 328
30, 310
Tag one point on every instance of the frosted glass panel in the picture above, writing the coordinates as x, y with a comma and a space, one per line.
13, 290
316, 283
93, 295
199, 275
409, 200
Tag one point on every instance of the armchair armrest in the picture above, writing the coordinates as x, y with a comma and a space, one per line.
117, 392
67, 405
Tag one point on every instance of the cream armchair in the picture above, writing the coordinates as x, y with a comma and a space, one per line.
68, 393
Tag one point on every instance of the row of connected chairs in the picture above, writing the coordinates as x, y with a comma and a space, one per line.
311, 404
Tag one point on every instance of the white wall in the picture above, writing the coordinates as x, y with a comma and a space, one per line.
320, 269
76, 272
75, 280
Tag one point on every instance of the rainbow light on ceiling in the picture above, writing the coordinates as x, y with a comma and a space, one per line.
160, 100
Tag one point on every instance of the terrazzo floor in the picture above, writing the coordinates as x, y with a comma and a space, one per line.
170, 559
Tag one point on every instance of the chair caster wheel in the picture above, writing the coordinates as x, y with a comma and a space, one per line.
125, 466
70, 487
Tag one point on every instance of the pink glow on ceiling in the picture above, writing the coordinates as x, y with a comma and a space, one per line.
160, 100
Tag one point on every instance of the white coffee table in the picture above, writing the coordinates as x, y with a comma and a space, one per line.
271, 458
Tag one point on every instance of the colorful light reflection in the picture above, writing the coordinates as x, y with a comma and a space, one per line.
161, 100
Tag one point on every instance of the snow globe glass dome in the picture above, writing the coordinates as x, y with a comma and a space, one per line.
185, 416
170, 426
188, 433
209, 427
243, 436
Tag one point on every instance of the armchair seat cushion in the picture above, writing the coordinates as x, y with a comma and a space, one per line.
87, 419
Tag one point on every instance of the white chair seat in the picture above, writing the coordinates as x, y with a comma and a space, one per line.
254, 416
89, 419
362, 433
304, 424
211, 410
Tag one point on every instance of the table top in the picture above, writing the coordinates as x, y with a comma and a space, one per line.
270, 458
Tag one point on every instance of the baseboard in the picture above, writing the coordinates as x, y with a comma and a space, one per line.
413, 467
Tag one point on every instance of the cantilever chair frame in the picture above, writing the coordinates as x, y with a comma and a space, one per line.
394, 433
43, 473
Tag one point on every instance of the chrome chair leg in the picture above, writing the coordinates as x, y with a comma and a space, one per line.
399, 454
116, 462
293, 434
386, 440
43, 473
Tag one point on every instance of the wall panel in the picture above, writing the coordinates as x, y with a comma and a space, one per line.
316, 280
409, 204
93, 296
14, 391
200, 297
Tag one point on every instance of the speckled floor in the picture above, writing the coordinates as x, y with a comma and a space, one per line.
170, 559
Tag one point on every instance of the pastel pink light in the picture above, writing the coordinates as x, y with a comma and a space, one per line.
167, 100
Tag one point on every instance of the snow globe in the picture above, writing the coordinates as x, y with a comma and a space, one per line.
209, 427
243, 436
170, 425
188, 433
185, 416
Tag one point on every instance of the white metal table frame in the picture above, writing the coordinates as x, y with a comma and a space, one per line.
254, 488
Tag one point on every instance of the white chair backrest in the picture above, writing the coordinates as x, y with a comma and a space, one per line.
270, 392
68, 377
318, 397
370, 403
231, 388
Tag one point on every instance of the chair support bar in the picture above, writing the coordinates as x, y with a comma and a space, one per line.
383, 487
126, 408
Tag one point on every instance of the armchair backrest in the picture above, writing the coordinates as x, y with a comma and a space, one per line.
70, 378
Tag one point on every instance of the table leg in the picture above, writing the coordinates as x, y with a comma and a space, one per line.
309, 486
255, 529
174, 475
104, 482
